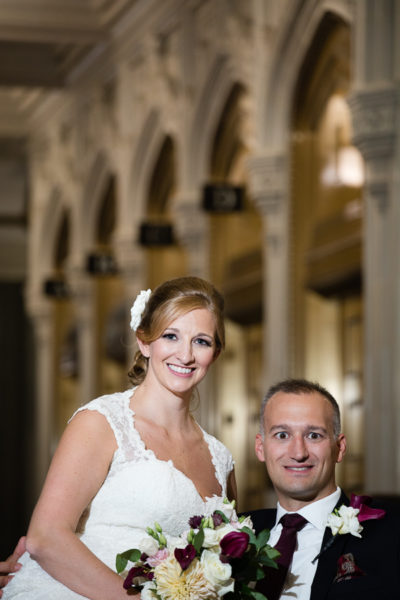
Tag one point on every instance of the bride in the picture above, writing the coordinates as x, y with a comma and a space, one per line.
128, 459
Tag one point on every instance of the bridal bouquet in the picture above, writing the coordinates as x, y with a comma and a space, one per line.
219, 556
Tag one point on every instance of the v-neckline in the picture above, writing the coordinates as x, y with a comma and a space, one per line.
152, 454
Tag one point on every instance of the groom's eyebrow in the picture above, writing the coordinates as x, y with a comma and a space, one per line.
279, 427
288, 427
317, 428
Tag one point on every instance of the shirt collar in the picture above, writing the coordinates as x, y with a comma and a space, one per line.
316, 512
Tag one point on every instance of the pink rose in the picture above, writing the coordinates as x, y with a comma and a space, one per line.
157, 558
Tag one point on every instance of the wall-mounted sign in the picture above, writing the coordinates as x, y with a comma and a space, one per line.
101, 264
152, 234
222, 198
56, 288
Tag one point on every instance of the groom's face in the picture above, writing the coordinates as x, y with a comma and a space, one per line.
300, 448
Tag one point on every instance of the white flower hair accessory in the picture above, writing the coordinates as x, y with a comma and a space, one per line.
138, 307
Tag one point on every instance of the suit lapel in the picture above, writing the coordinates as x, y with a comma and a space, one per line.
263, 519
331, 550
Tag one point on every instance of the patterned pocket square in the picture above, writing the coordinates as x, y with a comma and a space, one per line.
347, 569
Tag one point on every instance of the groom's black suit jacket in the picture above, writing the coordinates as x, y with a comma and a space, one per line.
376, 553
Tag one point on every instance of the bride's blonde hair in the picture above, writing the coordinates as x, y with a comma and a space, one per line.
170, 300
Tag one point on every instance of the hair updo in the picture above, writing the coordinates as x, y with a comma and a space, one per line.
169, 301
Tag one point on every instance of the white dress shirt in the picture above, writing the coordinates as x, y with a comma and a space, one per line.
309, 539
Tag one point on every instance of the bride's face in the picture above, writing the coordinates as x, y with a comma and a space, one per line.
181, 356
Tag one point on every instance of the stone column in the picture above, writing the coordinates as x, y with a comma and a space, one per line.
81, 286
193, 232
268, 187
375, 107
131, 261
42, 319
376, 116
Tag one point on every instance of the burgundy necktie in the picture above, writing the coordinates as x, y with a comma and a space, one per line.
272, 585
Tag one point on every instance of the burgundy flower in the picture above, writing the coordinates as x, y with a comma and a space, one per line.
184, 556
234, 544
136, 572
366, 512
195, 522
217, 519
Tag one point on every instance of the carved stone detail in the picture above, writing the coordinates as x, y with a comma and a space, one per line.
379, 191
193, 232
268, 182
191, 224
374, 116
130, 259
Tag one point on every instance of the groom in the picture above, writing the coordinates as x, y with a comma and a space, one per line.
301, 443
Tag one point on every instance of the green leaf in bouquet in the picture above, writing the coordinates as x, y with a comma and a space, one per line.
250, 593
251, 534
198, 540
133, 555
262, 538
258, 595
271, 552
222, 515
260, 574
267, 561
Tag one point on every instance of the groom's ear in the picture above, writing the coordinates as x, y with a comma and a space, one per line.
259, 447
342, 445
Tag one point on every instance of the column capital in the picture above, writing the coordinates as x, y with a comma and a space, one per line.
130, 257
268, 182
375, 115
192, 228
191, 221
39, 308
374, 111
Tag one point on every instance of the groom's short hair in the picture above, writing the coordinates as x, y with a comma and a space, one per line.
301, 386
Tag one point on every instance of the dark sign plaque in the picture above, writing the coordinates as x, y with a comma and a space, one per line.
222, 198
101, 264
56, 288
153, 234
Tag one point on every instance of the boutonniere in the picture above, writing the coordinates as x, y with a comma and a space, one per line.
348, 519
344, 520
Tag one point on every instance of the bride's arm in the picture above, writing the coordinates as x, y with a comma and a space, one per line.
78, 469
231, 486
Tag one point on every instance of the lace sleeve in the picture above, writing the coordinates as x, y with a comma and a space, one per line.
115, 408
222, 459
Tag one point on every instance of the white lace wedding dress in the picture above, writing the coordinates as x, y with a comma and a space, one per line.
139, 490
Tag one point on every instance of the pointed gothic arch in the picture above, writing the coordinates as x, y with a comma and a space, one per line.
219, 85
291, 48
91, 203
50, 228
